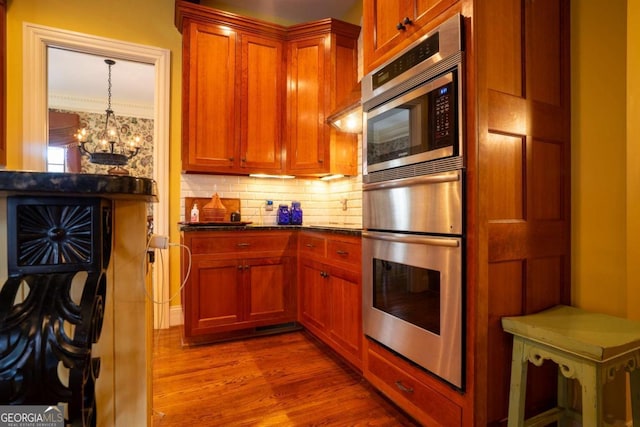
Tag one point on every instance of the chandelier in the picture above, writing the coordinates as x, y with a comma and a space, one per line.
109, 148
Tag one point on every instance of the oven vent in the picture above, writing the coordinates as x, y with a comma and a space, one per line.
410, 171
424, 76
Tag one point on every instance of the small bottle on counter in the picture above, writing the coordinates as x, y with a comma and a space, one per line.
195, 213
296, 213
284, 217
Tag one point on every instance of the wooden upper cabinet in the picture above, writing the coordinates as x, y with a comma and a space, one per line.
209, 139
322, 70
256, 95
390, 25
306, 104
261, 99
233, 91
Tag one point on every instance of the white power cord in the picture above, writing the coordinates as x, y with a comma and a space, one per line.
162, 242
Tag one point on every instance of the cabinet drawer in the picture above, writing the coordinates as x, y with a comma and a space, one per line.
239, 243
312, 245
348, 252
399, 385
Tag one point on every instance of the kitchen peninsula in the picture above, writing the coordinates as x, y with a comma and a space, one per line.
74, 318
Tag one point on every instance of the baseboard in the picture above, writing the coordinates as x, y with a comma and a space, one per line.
175, 315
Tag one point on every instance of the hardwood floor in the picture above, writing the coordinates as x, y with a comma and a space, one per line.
289, 379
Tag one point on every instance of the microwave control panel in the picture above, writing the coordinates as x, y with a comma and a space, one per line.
443, 118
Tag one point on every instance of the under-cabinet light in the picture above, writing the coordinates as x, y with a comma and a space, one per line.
264, 175
349, 121
330, 177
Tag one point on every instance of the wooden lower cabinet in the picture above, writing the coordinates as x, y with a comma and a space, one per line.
330, 301
430, 401
238, 281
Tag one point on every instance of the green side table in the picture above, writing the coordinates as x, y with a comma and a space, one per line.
589, 347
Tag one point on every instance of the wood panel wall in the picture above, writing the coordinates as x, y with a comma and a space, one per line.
523, 190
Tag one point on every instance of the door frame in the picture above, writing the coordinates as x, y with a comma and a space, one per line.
36, 40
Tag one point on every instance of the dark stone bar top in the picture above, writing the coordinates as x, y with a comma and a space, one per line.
77, 184
351, 230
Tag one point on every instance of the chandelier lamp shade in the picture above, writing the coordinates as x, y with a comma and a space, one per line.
106, 147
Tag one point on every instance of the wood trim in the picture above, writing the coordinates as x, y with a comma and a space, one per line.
3, 83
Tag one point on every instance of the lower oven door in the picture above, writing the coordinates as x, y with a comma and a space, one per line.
412, 298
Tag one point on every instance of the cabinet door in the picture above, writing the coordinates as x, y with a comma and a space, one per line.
209, 106
383, 16
346, 310
214, 296
314, 289
261, 100
385, 31
269, 288
307, 102
425, 11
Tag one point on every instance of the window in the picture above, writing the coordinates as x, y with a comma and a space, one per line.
55, 159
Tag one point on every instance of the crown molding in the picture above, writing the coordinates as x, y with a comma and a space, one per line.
98, 105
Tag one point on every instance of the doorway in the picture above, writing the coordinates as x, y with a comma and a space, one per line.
37, 40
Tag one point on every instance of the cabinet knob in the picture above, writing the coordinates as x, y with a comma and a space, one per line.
231, 159
243, 159
402, 25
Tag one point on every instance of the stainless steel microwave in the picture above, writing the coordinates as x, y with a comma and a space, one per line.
412, 106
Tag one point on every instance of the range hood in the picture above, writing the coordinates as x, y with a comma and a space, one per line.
347, 117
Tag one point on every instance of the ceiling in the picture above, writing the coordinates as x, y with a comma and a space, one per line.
78, 81
288, 11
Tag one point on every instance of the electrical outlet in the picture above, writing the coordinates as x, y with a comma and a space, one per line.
159, 242
268, 205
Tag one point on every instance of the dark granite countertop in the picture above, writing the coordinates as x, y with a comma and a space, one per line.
77, 184
352, 230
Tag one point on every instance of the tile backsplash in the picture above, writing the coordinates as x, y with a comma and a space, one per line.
321, 201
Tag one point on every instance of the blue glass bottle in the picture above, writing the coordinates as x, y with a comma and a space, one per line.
296, 213
284, 217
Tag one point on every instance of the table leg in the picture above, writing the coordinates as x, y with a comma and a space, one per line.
518, 388
563, 397
591, 382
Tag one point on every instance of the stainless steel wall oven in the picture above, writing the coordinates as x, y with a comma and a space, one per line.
413, 201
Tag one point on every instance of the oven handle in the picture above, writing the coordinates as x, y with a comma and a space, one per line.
439, 178
403, 238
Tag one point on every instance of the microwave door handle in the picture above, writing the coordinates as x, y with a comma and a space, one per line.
405, 182
403, 238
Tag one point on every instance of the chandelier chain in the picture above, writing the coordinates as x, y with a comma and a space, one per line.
109, 89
